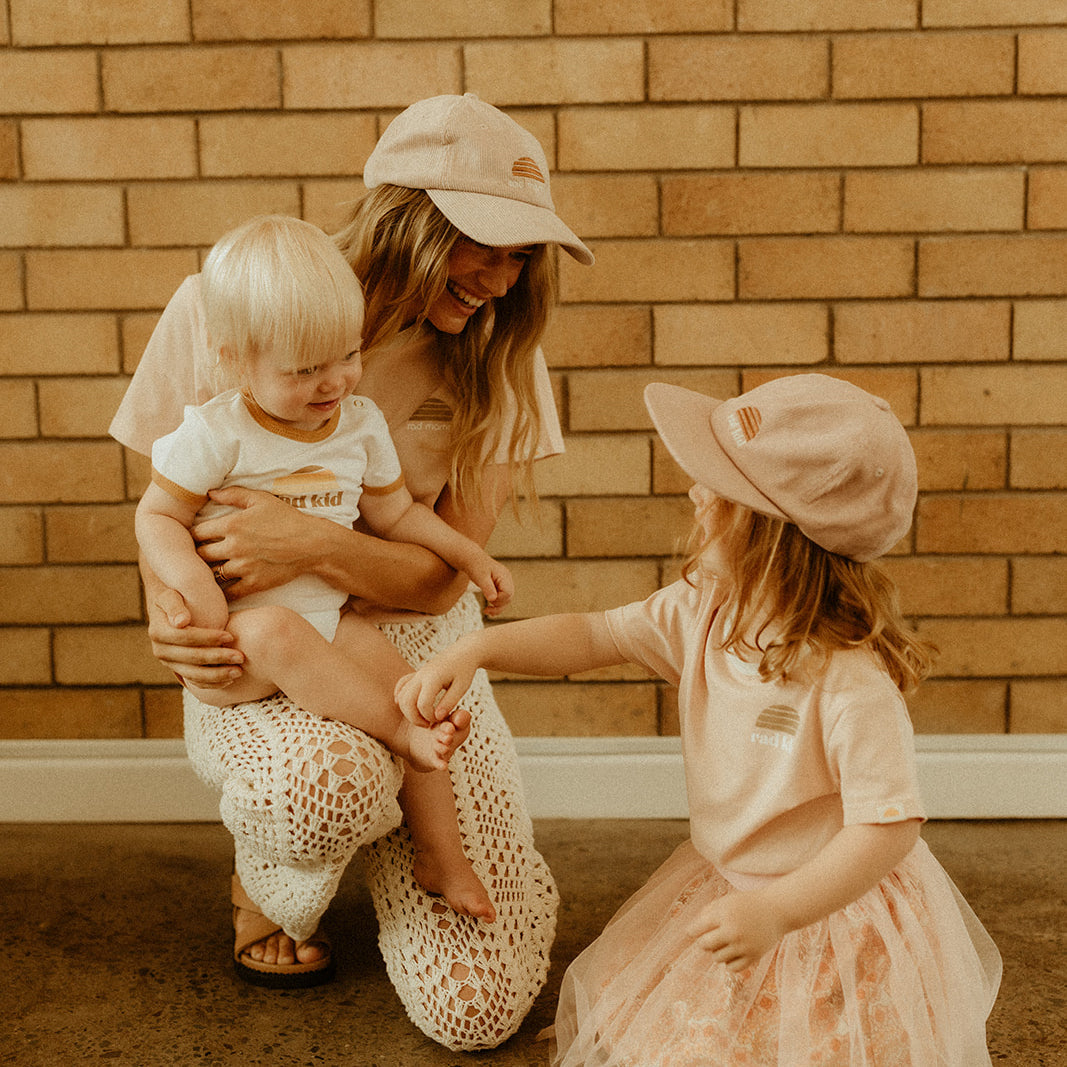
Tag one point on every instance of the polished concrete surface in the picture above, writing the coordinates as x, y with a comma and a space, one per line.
115, 943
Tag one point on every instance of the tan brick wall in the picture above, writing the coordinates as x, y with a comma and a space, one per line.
876, 191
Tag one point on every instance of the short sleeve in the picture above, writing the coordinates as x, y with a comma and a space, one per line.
871, 751
655, 632
550, 440
192, 458
172, 373
383, 465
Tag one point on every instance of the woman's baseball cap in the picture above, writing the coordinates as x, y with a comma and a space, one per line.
486, 174
814, 450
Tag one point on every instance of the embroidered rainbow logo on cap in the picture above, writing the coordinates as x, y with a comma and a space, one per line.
525, 167
744, 424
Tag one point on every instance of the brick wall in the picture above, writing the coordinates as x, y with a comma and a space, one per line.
873, 190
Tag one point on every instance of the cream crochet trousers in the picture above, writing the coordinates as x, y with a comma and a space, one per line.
300, 794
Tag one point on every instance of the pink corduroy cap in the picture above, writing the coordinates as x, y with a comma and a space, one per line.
486, 174
814, 450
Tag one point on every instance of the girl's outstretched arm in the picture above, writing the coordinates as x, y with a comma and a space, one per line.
739, 928
552, 645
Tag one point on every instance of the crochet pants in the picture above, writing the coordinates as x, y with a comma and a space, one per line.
300, 794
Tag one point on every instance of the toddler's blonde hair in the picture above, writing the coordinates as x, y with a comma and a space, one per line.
793, 603
276, 282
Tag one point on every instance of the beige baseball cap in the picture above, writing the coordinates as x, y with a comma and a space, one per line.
486, 174
814, 450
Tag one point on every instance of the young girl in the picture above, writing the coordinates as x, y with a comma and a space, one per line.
284, 313
805, 922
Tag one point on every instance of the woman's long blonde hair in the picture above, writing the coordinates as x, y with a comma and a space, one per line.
398, 244
789, 599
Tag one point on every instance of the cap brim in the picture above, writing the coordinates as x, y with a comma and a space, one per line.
500, 221
683, 419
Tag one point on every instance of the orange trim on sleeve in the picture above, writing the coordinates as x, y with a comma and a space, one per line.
384, 490
184, 495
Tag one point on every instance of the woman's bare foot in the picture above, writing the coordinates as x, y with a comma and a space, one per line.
279, 948
454, 879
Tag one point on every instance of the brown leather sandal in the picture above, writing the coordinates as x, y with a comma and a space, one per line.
273, 975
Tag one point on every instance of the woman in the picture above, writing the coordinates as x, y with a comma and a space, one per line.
450, 244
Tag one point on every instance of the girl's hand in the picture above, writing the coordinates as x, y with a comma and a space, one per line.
431, 693
198, 655
264, 544
738, 929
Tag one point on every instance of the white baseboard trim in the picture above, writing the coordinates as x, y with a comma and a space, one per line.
962, 776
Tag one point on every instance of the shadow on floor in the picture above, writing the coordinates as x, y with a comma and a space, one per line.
115, 939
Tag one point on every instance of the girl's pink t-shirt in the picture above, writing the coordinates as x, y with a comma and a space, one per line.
773, 770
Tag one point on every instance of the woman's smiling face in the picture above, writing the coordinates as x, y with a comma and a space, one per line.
476, 273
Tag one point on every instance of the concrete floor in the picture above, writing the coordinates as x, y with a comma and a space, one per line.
115, 947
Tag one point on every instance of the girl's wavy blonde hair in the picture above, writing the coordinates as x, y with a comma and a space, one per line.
398, 243
801, 601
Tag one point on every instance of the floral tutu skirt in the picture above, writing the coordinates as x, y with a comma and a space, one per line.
905, 976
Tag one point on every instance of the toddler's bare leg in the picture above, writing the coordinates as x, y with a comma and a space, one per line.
425, 798
441, 866
345, 680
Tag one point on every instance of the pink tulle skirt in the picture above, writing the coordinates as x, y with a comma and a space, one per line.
903, 977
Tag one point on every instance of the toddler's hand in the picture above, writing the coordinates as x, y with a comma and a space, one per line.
498, 590
738, 929
494, 580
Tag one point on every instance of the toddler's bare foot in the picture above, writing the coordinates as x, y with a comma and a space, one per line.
430, 748
453, 878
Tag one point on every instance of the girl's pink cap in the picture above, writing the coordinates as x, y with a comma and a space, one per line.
814, 450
